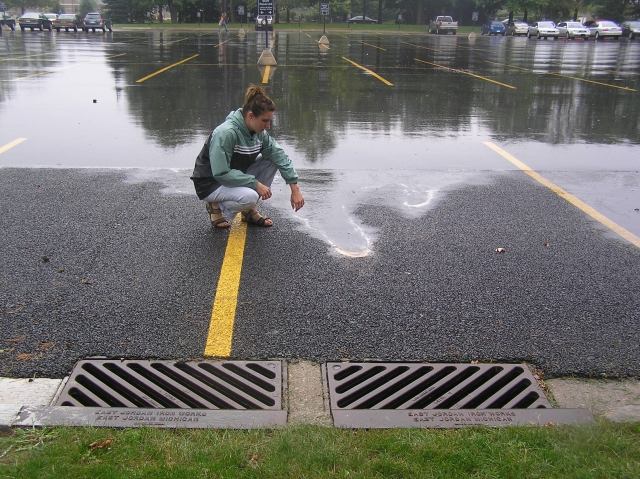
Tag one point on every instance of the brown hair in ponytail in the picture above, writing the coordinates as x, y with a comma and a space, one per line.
257, 101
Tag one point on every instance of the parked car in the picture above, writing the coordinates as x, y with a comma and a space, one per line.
34, 20
358, 19
51, 16
95, 21
543, 30
570, 29
68, 21
517, 28
443, 24
631, 29
605, 28
264, 22
494, 27
7, 20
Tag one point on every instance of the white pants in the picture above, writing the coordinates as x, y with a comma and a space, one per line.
234, 199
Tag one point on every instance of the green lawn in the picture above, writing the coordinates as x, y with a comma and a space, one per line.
293, 26
602, 450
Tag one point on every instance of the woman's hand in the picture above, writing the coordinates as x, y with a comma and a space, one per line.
297, 200
263, 191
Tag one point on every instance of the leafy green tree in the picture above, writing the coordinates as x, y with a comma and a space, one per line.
174, 7
120, 11
25, 5
54, 6
87, 6
617, 10
489, 8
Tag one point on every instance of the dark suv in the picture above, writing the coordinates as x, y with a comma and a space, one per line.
95, 21
8, 20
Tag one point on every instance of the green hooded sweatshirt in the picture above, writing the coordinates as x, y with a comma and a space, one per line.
230, 151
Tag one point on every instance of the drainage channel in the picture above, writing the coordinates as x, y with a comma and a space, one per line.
249, 394
379, 395
186, 394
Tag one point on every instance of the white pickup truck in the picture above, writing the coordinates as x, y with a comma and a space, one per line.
443, 24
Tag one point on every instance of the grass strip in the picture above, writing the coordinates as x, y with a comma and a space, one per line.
293, 26
602, 450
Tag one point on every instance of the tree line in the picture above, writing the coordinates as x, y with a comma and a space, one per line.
414, 12
52, 6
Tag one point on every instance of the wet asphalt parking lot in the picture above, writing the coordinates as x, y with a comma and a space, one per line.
106, 251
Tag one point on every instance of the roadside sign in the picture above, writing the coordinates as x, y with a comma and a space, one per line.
240, 10
265, 7
324, 9
474, 16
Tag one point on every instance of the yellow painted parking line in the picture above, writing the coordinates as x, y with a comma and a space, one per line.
26, 56
369, 44
173, 41
467, 73
131, 40
223, 313
308, 35
343, 36
475, 49
265, 77
222, 43
386, 82
53, 70
323, 45
8, 146
591, 81
565, 76
166, 68
569, 197
420, 46
511, 66
603, 70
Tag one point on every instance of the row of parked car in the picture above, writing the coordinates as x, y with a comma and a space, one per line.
597, 29
50, 21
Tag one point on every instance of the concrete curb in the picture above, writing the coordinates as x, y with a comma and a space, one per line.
306, 396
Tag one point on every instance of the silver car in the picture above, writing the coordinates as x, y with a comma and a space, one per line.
605, 28
543, 29
571, 30
517, 28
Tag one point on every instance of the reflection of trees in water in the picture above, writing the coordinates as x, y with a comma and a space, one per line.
321, 98
187, 102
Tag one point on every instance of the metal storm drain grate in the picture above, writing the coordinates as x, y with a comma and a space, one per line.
194, 394
437, 395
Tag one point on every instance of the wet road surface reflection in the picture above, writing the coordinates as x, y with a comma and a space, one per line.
148, 100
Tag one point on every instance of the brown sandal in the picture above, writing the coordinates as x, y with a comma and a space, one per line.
216, 211
248, 217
